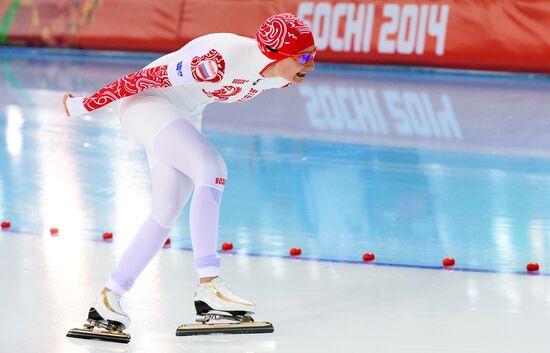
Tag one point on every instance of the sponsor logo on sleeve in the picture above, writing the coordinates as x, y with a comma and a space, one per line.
178, 68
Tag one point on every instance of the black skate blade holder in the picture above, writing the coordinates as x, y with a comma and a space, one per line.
244, 325
97, 329
101, 335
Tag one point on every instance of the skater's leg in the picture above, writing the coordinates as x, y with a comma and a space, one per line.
171, 190
181, 146
203, 222
146, 243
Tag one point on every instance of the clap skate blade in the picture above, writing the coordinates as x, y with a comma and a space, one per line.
99, 329
242, 324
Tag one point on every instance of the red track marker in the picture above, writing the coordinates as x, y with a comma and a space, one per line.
448, 261
295, 252
368, 256
532, 267
227, 246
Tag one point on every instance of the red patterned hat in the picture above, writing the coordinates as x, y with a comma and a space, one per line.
284, 32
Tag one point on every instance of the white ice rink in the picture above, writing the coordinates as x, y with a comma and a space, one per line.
48, 284
417, 167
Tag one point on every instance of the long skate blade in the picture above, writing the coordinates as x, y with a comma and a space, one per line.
102, 335
237, 328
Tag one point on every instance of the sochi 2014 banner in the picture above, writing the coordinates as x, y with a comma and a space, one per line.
510, 35
495, 35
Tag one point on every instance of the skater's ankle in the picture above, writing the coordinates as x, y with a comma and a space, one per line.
206, 279
107, 290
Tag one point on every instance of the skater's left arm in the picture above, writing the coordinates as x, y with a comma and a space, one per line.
154, 77
160, 76
182, 70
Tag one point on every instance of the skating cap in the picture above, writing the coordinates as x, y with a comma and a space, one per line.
283, 32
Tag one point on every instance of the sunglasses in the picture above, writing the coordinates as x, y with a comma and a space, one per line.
300, 58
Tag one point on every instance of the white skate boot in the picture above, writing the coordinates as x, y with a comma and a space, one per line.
216, 297
231, 314
108, 307
106, 320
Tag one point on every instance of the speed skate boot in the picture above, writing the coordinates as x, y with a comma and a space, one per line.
216, 297
220, 310
106, 320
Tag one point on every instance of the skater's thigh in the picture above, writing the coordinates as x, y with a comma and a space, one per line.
171, 190
143, 116
181, 146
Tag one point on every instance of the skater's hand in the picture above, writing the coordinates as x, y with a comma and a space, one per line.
65, 97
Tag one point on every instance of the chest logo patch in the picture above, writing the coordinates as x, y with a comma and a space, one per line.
209, 67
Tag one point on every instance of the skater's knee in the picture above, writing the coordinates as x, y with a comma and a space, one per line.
167, 213
167, 205
171, 189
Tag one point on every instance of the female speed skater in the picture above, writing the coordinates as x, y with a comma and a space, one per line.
162, 109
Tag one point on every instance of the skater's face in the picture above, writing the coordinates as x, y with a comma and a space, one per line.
293, 68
